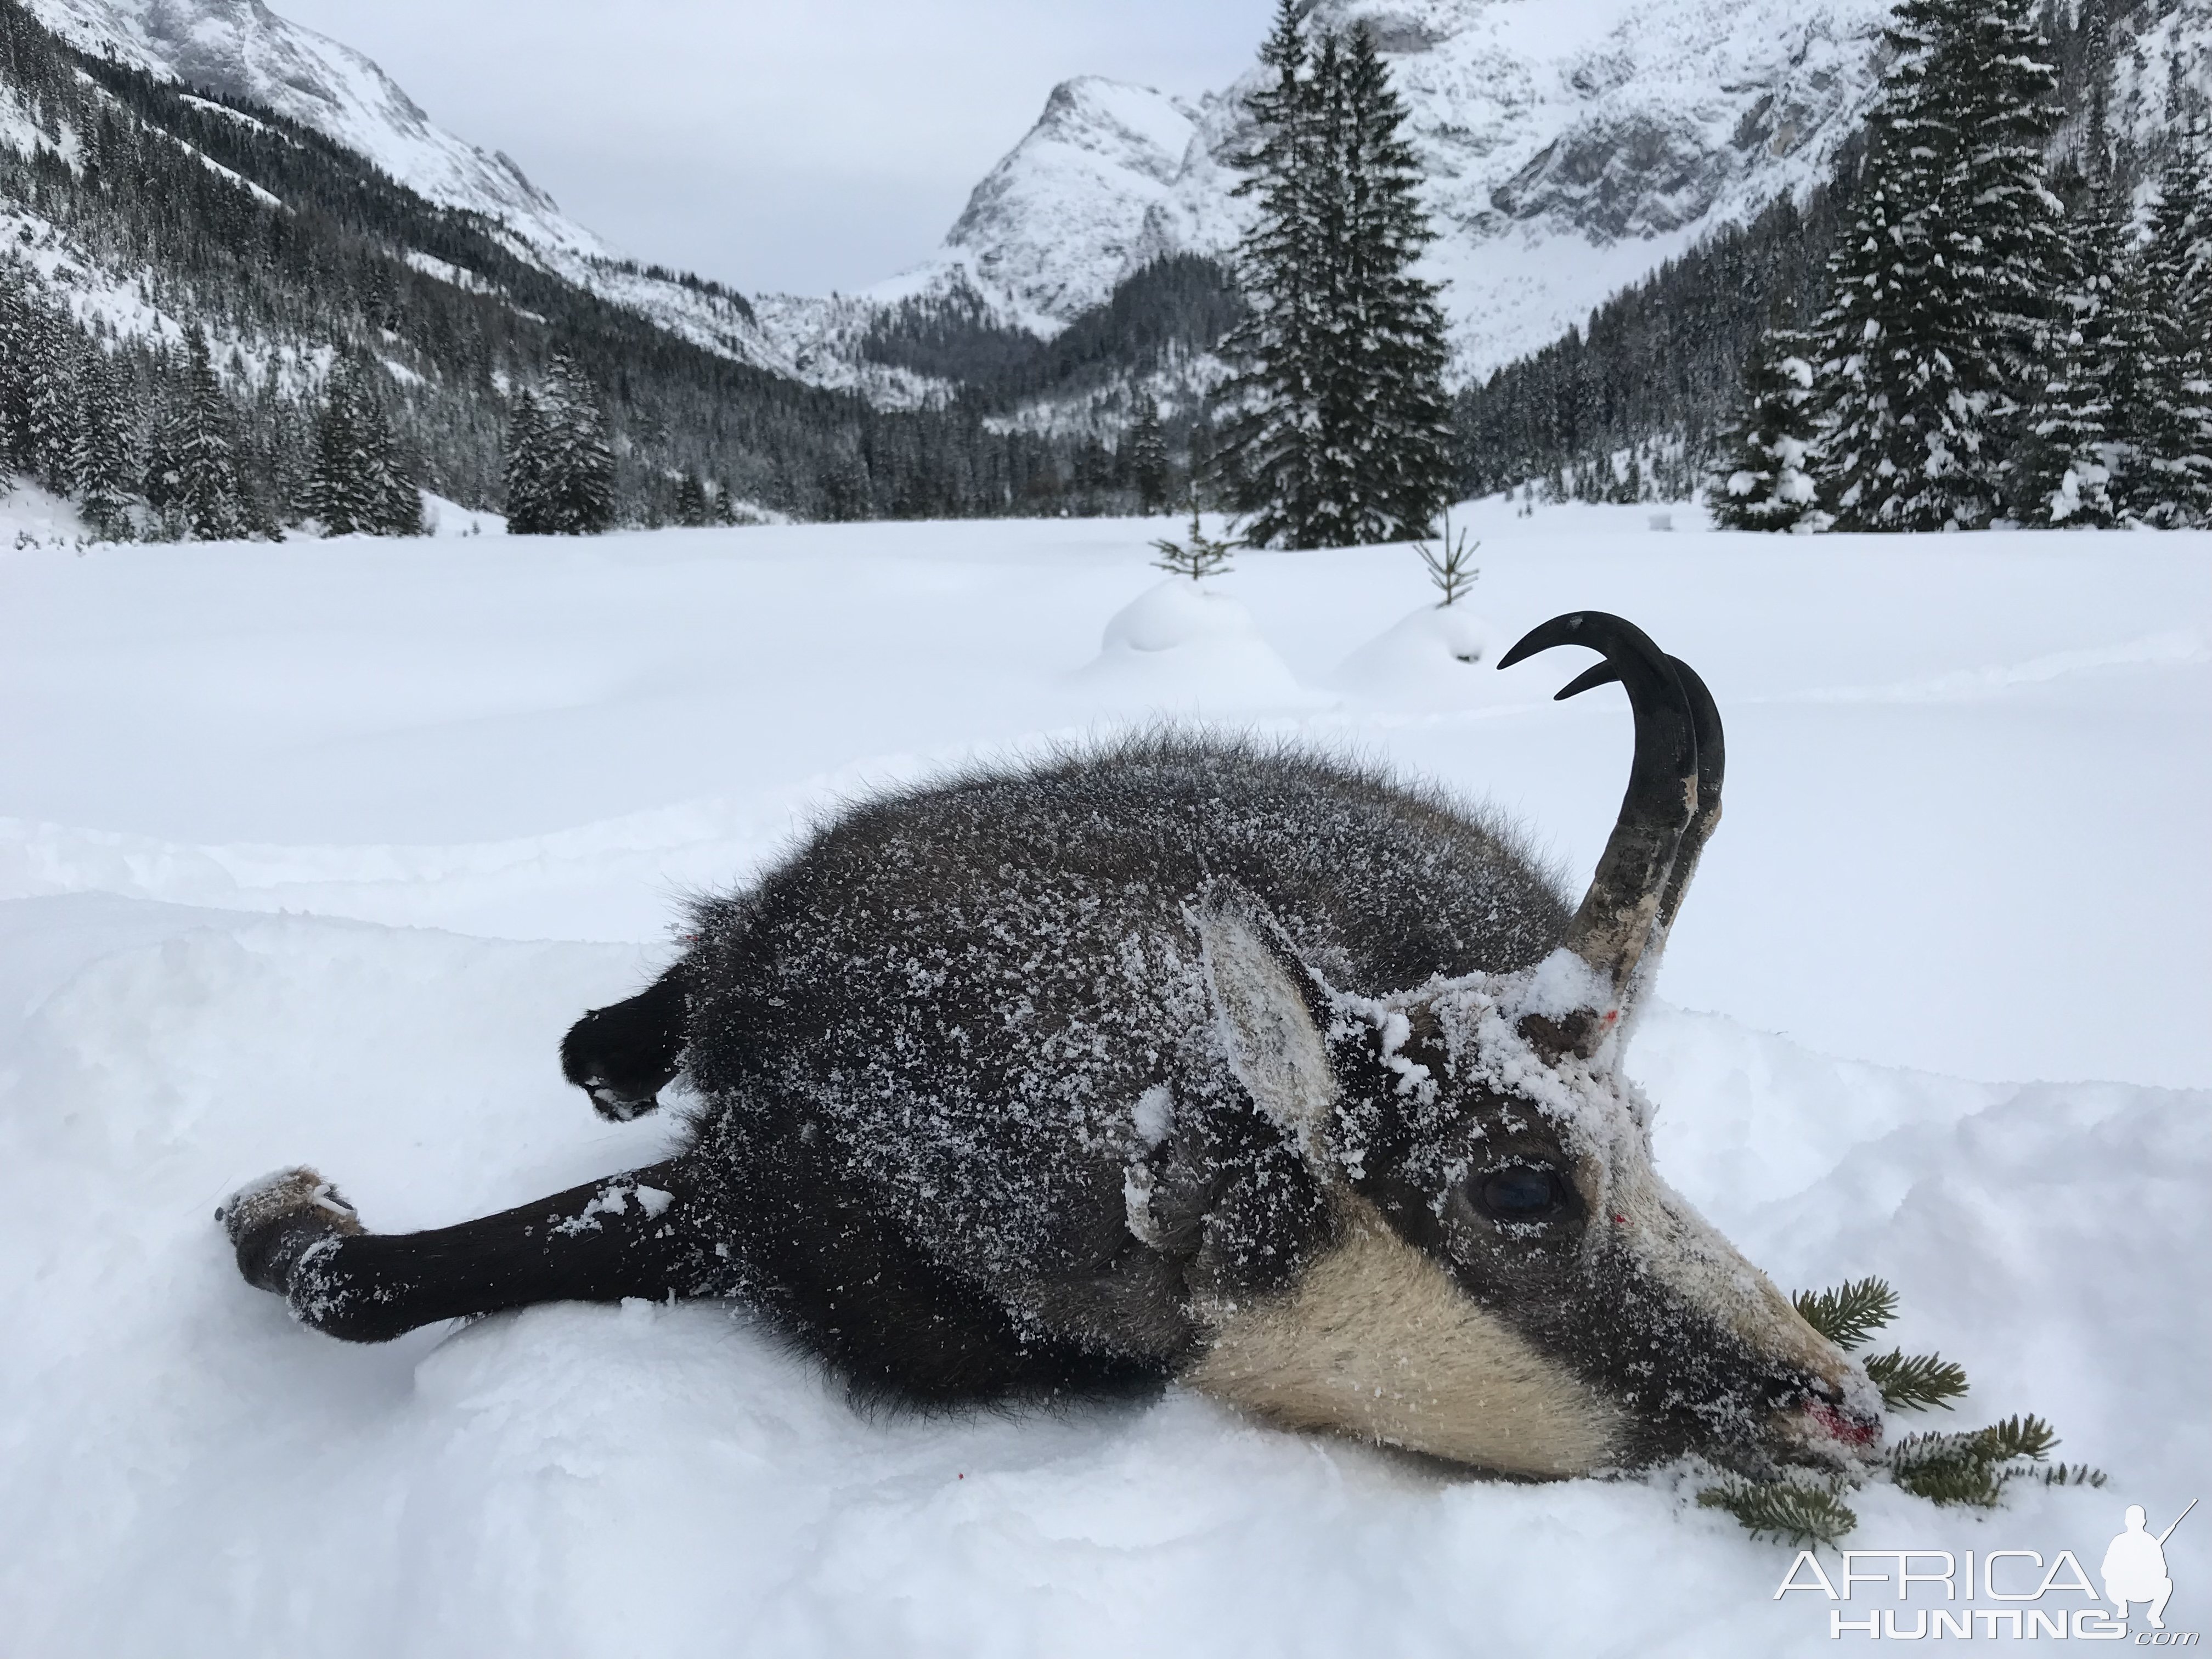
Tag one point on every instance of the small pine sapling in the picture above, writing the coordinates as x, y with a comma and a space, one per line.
1450, 566
1972, 1467
1201, 556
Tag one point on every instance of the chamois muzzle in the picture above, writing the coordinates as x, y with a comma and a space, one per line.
1672, 803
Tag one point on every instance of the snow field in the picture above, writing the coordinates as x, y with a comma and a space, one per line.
1967, 779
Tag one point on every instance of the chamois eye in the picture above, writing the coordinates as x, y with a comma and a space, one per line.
1521, 1192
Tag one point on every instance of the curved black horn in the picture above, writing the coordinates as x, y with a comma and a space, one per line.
1712, 766
1620, 915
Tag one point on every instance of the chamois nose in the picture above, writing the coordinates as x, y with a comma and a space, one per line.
1857, 1430
1827, 1431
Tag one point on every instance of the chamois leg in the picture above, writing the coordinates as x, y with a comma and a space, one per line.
630, 1235
625, 1054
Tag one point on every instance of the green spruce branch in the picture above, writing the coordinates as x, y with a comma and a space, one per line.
1915, 1381
1974, 1467
1788, 1511
1850, 1313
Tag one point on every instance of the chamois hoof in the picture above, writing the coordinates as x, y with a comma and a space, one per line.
273, 1222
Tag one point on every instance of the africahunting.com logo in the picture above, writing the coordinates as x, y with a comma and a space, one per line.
2025, 1597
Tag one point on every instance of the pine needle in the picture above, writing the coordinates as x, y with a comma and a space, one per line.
1972, 1467
2073, 1474
1782, 1510
1850, 1313
2027, 1436
1913, 1382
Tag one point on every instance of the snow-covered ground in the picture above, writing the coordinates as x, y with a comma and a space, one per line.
311, 851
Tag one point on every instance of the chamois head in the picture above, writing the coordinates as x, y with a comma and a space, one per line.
1507, 1282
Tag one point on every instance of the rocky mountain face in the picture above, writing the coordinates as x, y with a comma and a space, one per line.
140, 215
1059, 222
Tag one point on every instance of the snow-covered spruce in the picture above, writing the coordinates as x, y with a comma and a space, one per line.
1178, 1060
1343, 432
1929, 347
1766, 482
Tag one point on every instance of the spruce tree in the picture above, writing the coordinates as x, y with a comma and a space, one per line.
528, 509
1389, 397
359, 483
207, 491
1148, 459
53, 406
1270, 448
394, 499
691, 509
1938, 290
1344, 436
580, 472
2169, 428
2006, 229
1764, 480
15, 369
2063, 462
107, 462
333, 494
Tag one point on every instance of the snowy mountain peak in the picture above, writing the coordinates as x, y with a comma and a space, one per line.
240, 49
1051, 228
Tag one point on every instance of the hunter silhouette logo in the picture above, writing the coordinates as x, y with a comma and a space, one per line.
1989, 1594
2135, 1567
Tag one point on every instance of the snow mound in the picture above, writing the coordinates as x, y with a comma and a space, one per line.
1181, 646
1438, 656
31, 515
441, 517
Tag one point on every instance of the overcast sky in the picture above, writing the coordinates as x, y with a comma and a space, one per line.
803, 145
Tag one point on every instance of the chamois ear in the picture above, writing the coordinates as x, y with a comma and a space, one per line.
1270, 1011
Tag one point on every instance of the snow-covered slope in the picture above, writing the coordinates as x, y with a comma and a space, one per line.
240, 49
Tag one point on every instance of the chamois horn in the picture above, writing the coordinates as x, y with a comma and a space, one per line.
1634, 885
1712, 765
